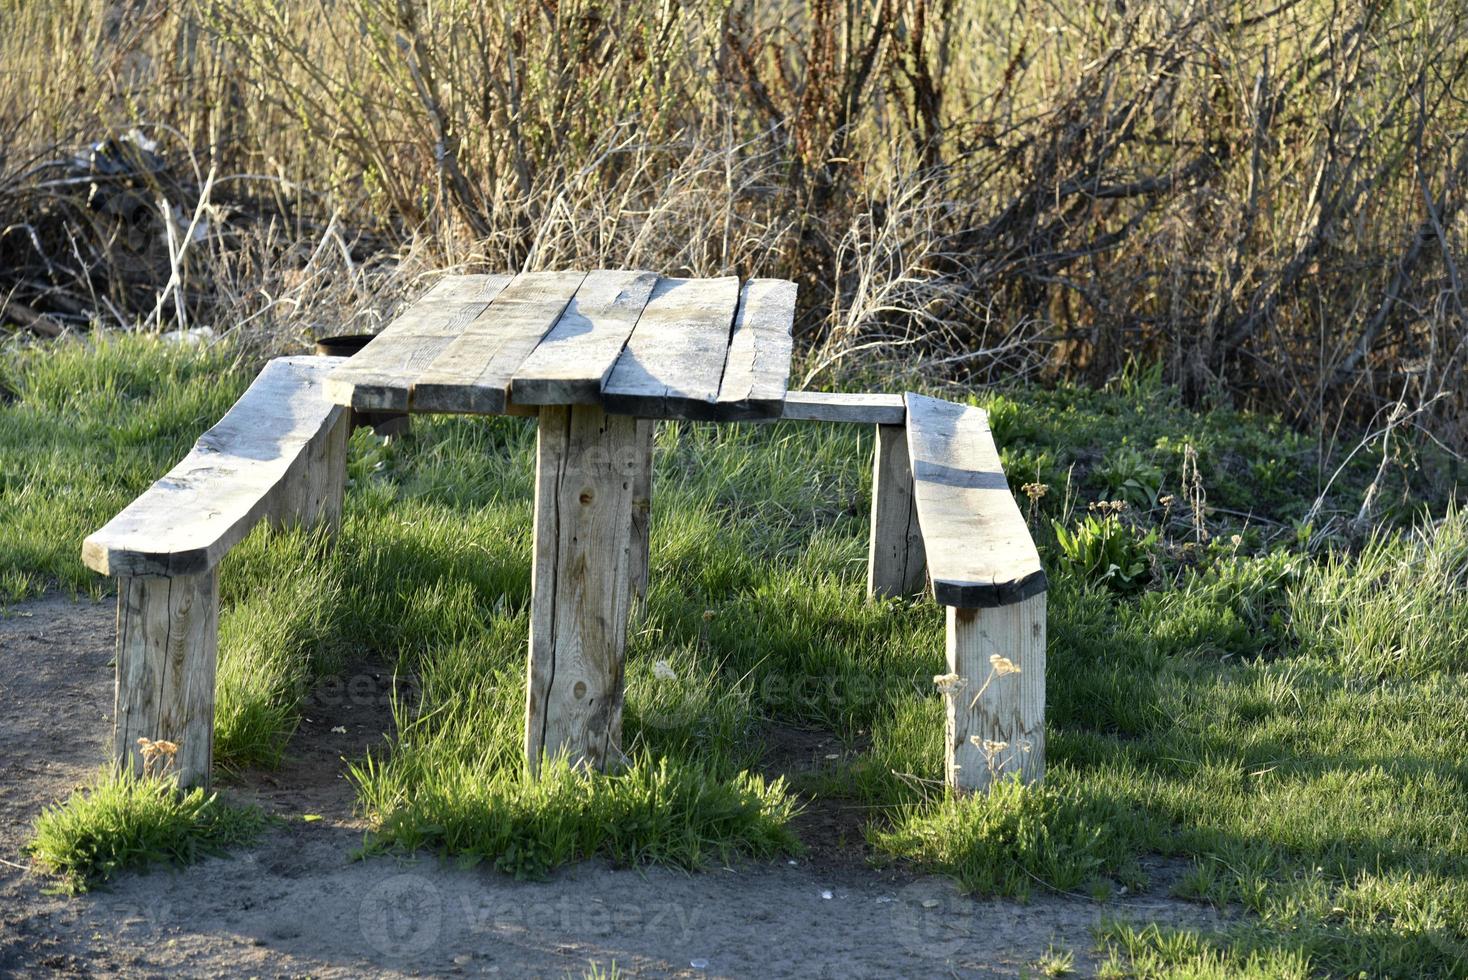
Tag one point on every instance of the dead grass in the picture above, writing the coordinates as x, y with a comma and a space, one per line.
1268, 202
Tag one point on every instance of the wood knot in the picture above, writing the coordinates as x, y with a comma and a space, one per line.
579, 690
586, 496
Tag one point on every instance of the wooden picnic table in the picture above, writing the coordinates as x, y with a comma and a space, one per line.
598, 357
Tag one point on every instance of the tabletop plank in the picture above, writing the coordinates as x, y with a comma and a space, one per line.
377, 378
757, 370
980, 552
674, 361
574, 359
472, 373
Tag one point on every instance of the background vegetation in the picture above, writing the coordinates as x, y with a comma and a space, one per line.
1265, 198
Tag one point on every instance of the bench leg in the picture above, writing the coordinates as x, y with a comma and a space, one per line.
585, 466
637, 548
896, 562
311, 493
167, 636
996, 720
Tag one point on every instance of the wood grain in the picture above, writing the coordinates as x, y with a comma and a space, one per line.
995, 721
585, 464
830, 406
572, 362
979, 549
896, 561
311, 493
187, 520
379, 377
757, 368
673, 363
472, 373
639, 540
167, 632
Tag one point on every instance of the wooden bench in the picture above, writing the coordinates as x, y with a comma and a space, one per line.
942, 510
597, 357
986, 572
278, 455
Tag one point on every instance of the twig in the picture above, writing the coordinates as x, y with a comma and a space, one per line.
1437, 226
177, 255
38, 323
1394, 420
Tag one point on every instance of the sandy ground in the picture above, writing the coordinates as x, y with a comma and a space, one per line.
300, 904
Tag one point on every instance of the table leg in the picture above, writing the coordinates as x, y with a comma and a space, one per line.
586, 465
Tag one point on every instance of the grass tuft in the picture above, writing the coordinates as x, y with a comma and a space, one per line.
1015, 839
1153, 951
655, 811
120, 823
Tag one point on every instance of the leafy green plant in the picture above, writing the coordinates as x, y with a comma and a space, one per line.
1126, 473
1273, 473
1106, 550
1056, 962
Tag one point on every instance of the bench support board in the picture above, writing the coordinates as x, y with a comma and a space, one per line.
896, 562
315, 485
586, 460
996, 721
167, 630
637, 548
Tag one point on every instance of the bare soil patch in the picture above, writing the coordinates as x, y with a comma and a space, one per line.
832, 827
345, 715
302, 903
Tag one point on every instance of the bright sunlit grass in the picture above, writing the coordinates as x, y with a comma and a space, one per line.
115, 824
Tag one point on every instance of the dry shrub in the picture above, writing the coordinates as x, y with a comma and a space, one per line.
1267, 199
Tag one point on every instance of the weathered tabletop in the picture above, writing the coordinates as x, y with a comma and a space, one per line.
633, 343
597, 356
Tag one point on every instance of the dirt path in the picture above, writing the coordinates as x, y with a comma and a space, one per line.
298, 904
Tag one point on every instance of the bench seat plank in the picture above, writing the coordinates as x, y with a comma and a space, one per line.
376, 379
979, 550
184, 523
674, 361
844, 406
757, 370
572, 362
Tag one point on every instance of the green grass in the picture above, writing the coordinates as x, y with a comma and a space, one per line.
1056, 963
117, 824
90, 426
1284, 712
